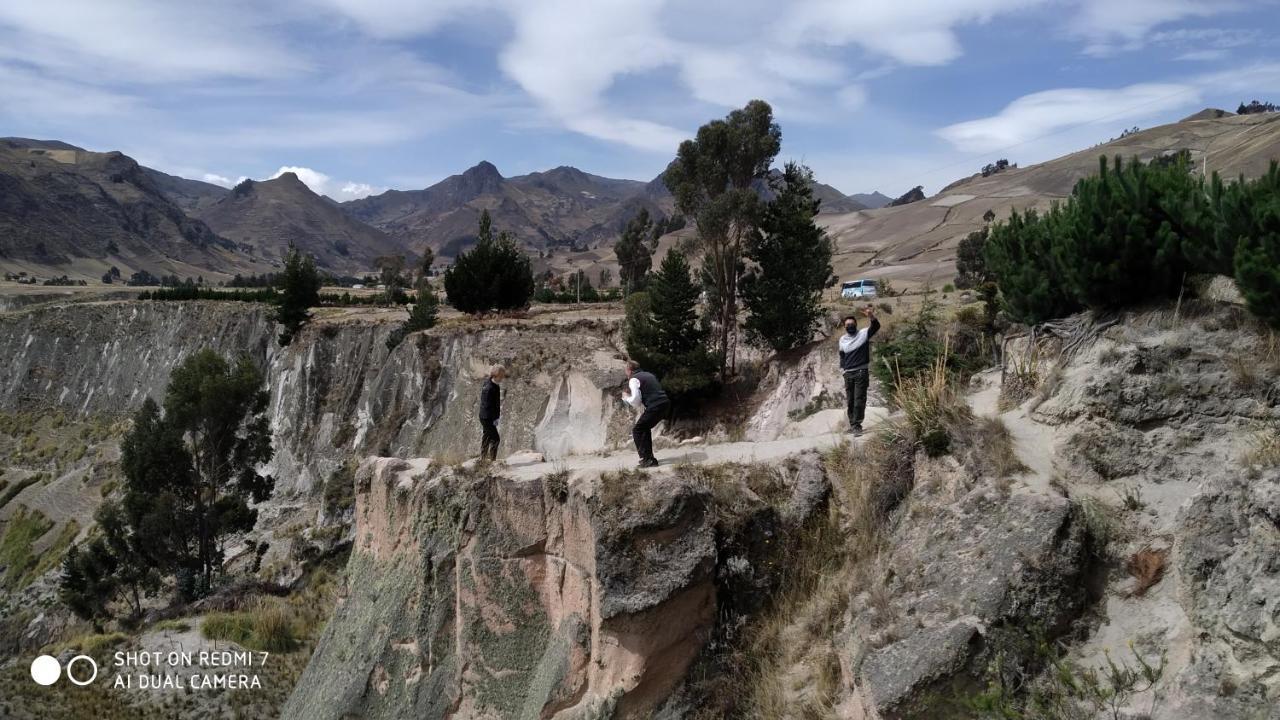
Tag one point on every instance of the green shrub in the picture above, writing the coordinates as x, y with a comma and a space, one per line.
1257, 262
1019, 252
421, 317
266, 626
495, 274
911, 348
1124, 233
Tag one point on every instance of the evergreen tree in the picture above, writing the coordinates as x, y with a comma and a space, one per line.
189, 476
712, 179
663, 332
494, 275
88, 584
634, 256
203, 456
792, 255
300, 291
113, 565
1018, 252
421, 317
1257, 252
1125, 233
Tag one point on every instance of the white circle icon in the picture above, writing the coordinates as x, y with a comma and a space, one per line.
45, 670
92, 664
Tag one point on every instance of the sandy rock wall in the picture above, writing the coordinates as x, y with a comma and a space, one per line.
337, 392
477, 596
1153, 422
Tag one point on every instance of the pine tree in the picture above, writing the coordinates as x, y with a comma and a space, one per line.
663, 332
1126, 231
1257, 252
493, 275
1018, 253
421, 317
792, 256
300, 291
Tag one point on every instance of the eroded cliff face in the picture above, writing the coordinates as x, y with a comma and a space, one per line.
471, 595
337, 392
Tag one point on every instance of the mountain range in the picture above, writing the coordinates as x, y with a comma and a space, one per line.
68, 211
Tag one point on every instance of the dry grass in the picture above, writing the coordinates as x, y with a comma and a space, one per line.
993, 451
1265, 452
788, 666
1147, 567
1021, 378
266, 626
935, 409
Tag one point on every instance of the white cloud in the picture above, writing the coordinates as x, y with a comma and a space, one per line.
144, 40
1034, 116
28, 95
401, 18
912, 33
1112, 26
222, 180
322, 184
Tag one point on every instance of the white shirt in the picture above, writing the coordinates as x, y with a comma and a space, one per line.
849, 343
632, 397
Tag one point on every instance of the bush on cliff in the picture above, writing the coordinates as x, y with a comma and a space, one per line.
1133, 233
300, 291
421, 317
663, 332
493, 275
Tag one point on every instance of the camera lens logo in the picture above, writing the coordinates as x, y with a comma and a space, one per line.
46, 670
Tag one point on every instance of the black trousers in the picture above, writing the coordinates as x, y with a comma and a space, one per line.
489, 440
641, 432
855, 390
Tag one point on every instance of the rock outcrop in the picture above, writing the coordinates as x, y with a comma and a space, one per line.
475, 596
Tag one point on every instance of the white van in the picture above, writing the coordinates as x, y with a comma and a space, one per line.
858, 289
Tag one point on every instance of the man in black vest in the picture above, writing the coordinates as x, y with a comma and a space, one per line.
855, 362
490, 411
643, 388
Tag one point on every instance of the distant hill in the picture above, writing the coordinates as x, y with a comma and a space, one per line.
871, 200
916, 242
563, 207
264, 217
190, 195
65, 210
556, 210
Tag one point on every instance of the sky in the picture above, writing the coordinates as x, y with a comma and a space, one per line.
361, 96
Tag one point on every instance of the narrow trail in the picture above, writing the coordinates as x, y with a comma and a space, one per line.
1034, 443
521, 467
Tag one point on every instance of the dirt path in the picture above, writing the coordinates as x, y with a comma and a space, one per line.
1035, 443
522, 467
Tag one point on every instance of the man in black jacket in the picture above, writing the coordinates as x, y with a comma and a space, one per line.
855, 362
644, 388
490, 411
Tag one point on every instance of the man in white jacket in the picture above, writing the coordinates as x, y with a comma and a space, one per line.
644, 389
855, 364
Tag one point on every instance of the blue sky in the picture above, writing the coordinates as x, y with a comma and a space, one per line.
359, 95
